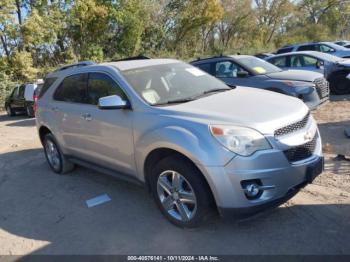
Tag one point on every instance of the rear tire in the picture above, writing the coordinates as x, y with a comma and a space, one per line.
188, 204
29, 111
54, 156
339, 84
9, 110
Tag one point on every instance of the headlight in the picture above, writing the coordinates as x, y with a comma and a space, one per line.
301, 88
240, 140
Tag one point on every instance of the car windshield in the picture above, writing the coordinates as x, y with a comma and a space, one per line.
258, 66
172, 83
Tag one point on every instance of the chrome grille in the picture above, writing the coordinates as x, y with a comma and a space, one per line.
292, 127
322, 87
301, 152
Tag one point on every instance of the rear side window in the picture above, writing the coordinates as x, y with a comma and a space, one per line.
284, 50
21, 91
42, 90
279, 61
100, 85
72, 89
307, 48
205, 67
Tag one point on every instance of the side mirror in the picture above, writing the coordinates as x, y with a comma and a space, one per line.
112, 102
242, 74
319, 64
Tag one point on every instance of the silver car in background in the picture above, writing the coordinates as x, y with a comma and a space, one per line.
335, 69
250, 71
196, 144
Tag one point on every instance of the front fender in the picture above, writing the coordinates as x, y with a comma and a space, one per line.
197, 145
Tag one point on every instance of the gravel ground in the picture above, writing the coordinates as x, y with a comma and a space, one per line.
43, 213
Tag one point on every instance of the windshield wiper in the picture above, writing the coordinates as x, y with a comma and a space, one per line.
175, 101
216, 90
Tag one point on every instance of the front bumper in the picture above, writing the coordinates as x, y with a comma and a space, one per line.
271, 167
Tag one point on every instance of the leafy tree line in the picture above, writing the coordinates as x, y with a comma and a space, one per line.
38, 35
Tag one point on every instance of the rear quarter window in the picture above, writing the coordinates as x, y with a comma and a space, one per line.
72, 89
205, 67
48, 82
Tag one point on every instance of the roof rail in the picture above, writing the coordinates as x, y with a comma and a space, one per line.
210, 57
139, 57
79, 64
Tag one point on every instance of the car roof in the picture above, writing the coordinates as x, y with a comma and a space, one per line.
307, 43
234, 57
134, 64
119, 65
315, 53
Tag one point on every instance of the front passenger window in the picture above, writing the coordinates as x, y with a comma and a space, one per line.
101, 85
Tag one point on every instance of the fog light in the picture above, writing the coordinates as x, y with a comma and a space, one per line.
252, 190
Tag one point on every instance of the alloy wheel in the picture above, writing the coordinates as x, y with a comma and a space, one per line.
52, 154
176, 195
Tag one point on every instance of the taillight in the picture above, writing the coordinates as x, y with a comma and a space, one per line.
35, 99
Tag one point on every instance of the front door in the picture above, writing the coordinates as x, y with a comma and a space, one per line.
107, 134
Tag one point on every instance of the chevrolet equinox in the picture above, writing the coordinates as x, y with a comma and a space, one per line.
197, 145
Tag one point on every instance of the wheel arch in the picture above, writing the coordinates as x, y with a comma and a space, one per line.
158, 154
43, 130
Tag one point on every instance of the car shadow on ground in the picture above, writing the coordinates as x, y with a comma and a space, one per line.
337, 98
18, 120
333, 137
37, 204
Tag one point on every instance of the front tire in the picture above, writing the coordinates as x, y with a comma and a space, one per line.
339, 84
54, 156
9, 110
181, 192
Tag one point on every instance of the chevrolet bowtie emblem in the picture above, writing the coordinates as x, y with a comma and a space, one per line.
308, 136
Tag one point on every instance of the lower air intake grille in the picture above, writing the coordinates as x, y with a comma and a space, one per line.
322, 87
301, 152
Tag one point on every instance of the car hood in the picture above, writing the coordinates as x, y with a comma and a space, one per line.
295, 75
262, 110
345, 62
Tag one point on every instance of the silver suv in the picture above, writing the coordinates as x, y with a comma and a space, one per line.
324, 47
196, 144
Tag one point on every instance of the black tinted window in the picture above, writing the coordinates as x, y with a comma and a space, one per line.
307, 48
72, 89
279, 61
100, 85
285, 50
205, 67
21, 91
48, 82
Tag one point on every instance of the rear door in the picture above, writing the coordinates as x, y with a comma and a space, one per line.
281, 61
68, 100
305, 62
107, 134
